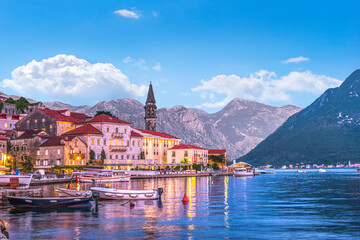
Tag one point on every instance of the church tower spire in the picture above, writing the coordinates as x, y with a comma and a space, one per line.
150, 110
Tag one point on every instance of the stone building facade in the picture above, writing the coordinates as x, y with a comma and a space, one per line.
25, 146
51, 121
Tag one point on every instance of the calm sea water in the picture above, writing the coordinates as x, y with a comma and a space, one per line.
283, 205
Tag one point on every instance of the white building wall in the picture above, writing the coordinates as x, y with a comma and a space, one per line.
197, 156
116, 142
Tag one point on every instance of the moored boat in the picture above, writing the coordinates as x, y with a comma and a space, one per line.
122, 194
243, 172
51, 202
301, 171
66, 192
322, 170
102, 176
267, 171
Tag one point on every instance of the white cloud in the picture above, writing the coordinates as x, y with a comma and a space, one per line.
296, 60
157, 66
164, 92
127, 60
128, 13
65, 76
184, 93
155, 14
262, 86
141, 64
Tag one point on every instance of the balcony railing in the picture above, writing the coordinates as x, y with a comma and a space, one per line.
77, 156
118, 148
117, 135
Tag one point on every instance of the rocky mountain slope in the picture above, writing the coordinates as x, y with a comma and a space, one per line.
238, 127
327, 131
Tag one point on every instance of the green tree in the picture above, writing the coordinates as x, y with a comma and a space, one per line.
215, 166
10, 100
104, 112
27, 165
218, 158
102, 156
22, 104
92, 155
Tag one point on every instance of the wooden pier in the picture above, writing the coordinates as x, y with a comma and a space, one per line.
37, 182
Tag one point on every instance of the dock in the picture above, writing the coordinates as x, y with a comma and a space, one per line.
171, 175
39, 182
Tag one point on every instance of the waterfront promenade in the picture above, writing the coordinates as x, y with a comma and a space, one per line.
38, 182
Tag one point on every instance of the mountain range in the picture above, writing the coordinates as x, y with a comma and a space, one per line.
238, 127
326, 132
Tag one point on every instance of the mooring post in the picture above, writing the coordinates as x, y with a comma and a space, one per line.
96, 196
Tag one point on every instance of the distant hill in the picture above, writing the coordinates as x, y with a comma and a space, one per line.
238, 127
327, 131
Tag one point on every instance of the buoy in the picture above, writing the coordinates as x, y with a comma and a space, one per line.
132, 204
213, 181
76, 178
234, 175
185, 199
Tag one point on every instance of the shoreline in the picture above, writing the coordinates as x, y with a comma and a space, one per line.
36, 182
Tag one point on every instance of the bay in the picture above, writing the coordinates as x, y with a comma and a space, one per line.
283, 205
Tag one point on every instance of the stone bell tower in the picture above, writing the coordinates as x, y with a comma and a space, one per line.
150, 110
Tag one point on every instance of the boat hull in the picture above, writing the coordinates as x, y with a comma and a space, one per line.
244, 174
23, 180
65, 192
69, 202
118, 194
104, 179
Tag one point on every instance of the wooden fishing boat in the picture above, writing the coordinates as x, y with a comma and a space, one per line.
51, 202
120, 194
66, 192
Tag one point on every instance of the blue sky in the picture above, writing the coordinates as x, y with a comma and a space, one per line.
196, 53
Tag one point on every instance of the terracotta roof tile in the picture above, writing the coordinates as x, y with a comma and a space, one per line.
3, 138
217, 151
85, 129
186, 146
28, 134
135, 134
53, 141
106, 118
159, 134
8, 133
58, 116
77, 115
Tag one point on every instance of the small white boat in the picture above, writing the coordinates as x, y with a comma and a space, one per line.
65, 192
267, 171
322, 170
243, 172
301, 171
120, 194
23, 180
102, 176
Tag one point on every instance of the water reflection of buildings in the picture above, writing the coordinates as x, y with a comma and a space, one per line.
147, 219
226, 203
